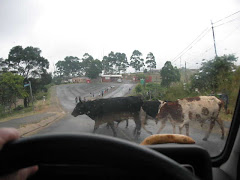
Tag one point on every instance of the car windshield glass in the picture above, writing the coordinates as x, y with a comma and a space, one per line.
127, 69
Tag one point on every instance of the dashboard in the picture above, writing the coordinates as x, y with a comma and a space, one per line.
193, 157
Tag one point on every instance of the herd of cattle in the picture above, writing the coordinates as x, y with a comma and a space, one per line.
179, 113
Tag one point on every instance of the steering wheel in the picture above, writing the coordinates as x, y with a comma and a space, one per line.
88, 156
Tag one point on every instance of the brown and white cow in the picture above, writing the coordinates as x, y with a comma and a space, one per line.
182, 111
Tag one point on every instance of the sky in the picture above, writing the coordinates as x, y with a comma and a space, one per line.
63, 28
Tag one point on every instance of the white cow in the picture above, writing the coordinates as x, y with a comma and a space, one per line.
182, 111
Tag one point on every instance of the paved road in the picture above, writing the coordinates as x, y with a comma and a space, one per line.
67, 94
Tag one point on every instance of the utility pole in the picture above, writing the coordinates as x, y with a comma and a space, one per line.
31, 93
214, 40
185, 80
30, 86
180, 62
185, 72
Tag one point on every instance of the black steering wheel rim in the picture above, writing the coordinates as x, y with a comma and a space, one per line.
73, 149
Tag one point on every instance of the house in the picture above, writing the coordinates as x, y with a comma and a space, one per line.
111, 78
80, 80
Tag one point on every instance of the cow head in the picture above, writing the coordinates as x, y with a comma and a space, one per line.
79, 109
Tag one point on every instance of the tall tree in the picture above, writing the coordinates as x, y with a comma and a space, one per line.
60, 71
94, 69
121, 62
107, 65
86, 61
27, 62
109, 62
69, 67
169, 74
150, 61
136, 61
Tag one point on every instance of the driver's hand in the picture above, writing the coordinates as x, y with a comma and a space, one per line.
9, 134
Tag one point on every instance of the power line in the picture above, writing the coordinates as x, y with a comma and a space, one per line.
226, 17
236, 28
196, 40
226, 22
202, 35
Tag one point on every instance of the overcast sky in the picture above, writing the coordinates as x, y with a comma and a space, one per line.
63, 28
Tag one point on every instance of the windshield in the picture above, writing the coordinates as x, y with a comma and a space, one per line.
127, 69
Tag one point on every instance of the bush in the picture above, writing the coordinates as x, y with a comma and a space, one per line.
139, 89
1, 110
18, 108
39, 96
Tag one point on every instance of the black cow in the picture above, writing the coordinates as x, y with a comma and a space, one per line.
149, 109
111, 109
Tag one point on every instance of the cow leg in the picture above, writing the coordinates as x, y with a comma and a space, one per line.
174, 128
126, 123
187, 129
220, 122
163, 124
118, 122
137, 130
143, 117
173, 125
96, 126
210, 129
180, 128
111, 124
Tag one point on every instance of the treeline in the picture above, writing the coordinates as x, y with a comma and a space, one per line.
113, 63
216, 76
25, 65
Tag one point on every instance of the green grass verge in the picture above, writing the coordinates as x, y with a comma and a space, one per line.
38, 106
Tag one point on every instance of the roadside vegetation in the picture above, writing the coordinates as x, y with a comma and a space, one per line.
25, 82
215, 77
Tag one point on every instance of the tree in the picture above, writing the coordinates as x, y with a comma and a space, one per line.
136, 61
70, 66
169, 74
107, 65
150, 61
109, 62
3, 65
121, 62
11, 88
214, 73
27, 62
94, 69
86, 61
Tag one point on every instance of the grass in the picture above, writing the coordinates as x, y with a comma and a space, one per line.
18, 114
39, 106
225, 117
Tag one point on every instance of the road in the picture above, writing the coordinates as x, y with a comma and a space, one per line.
83, 124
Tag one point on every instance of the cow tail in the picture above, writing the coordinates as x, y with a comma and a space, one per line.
220, 104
